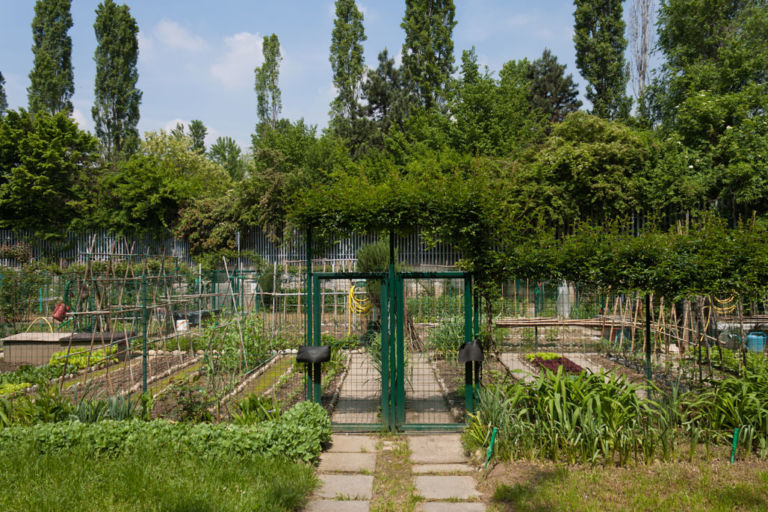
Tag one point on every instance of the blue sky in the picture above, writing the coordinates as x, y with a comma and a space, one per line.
197, 57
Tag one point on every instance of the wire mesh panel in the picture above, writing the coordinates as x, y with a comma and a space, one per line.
434, 312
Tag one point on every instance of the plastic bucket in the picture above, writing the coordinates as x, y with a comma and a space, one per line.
756, 341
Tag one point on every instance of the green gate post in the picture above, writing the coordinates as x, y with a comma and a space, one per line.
468, 380
400, 350
309, 310
316, 371
476, 310
395, 370
385, 369
144, 332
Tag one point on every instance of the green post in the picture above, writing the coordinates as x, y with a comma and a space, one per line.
400, 351
316, 338
385, 373
468, 391
648, 336
309, 309
476, 309
395, 370
144, 320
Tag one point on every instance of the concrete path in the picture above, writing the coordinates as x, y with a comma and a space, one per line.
424, 400
346, 475
442, 475
360, 394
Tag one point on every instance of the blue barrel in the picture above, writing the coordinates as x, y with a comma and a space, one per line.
756, 341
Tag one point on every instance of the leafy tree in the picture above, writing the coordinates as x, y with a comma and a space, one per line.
228, 154
148, 190
116, 105
586, 169
268, 94
197, 132
488, 118
552, 91
287, 159
51, 79
386, 99
46, 163
710, 92
210, 226
3, 99
600, 46
428, 49
348, 64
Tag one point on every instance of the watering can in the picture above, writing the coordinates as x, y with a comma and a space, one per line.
756, 341
60, 312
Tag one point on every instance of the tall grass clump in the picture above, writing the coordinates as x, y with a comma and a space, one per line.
587, 418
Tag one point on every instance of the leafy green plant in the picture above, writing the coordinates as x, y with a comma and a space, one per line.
255, 409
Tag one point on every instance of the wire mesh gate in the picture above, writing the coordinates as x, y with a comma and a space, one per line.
390, 384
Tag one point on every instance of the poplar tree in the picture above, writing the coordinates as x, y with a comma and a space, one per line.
198, 131
268, 94
428, 49
600, 45
51, 79
348, 64
116, 105
3, 99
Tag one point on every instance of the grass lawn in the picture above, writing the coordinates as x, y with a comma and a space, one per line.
157, 481
698, 486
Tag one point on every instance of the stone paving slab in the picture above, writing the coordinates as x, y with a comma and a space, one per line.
350, 487
347, 462
436, 449
446, 487
338, 506
350, 443
449, 506
442, 468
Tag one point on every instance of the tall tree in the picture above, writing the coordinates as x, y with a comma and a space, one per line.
228, 154
428, 49
198, 131
3, 99
600, 45
51, 79
348, 64
552, 91
642, 40
268, 94
116, 105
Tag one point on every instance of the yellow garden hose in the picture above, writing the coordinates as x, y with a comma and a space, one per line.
358, 306
724, 306
36, 320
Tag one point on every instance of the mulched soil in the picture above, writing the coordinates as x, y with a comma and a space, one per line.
553, 364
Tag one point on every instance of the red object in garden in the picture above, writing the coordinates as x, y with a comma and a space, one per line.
60, 312
552, 364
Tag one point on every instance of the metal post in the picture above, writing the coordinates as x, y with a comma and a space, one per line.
400, 350
144, 331
309, 309
394, 369
648, 336
476, 307
316, 337
385, 370
468, 392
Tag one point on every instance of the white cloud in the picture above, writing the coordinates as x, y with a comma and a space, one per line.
175, 36
146, 46
81, 119
235, 67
